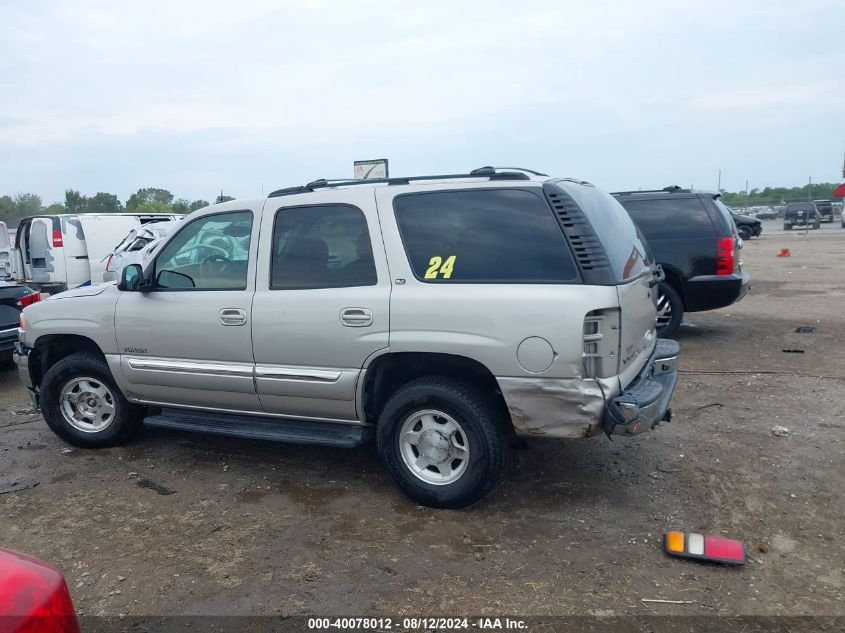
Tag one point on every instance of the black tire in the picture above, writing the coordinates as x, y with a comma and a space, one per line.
125, 421
745, 232
669, 297
481, 422
787, 227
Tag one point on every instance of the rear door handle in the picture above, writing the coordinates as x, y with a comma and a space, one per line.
356, 317
232, 316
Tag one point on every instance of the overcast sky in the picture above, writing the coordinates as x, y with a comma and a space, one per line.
195, 96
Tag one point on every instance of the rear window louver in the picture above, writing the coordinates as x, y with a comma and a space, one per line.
583, 240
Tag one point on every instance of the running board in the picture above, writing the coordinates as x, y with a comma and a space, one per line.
259, 428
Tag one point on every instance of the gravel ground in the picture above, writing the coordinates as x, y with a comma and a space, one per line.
185, 524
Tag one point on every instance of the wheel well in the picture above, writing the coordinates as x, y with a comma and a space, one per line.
389, 372
52, 348
674, 280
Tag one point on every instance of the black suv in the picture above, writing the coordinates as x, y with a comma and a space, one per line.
746, 226
825, 209
801, 214
694, 239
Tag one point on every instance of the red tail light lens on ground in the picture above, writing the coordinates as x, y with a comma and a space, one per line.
28, 300
704, 547
33, 597
725, 256
57, 238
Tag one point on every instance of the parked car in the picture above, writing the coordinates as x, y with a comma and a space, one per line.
13, 298
825, 210
801, 214
57, 252
768, 214
442, 314
135, 247
746, 226
34, 597
694, 240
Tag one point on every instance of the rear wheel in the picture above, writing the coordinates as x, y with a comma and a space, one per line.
787, 227
83, 406
745, 232
670, 310
442, 441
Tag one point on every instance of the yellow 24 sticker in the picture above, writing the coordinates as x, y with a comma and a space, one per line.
436, 266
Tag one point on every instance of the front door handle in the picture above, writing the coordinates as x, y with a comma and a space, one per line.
356, 317
232, 316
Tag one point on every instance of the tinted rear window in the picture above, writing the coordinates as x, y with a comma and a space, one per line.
483, 236
670, 218
620, 237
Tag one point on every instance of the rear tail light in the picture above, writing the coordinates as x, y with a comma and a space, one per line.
34, 597
725, 256
601, 342
57, 238
108, 263
29, 299
705, 547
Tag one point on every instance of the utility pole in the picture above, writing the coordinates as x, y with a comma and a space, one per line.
719, 185
810, 190
746, 194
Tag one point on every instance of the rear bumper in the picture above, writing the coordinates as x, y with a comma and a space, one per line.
645, 402
8, 338
710, 292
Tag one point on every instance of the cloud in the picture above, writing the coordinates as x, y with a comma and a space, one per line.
215, 87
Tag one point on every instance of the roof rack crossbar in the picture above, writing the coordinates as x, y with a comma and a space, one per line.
323, 183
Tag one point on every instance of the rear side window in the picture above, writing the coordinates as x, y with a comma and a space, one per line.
321, 247
483, 236
670, 218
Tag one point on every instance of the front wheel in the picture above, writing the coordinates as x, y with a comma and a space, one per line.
83, 406
670, 310
745, 232
442, 441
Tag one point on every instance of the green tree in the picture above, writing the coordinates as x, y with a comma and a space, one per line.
149, 194
152, 206
74, 201
198, 204
55, 209
28, 204
222, 198
181, 206
103, 203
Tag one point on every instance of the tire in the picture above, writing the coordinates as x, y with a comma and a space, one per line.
787, 227
670, 310
745, 232
93, 381
435, 404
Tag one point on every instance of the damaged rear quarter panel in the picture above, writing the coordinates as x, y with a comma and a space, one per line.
555, 407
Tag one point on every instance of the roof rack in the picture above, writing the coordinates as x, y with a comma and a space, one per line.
481, 172
522, 169
669, 189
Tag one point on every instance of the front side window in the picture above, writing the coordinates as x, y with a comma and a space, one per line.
483, 236
210, 253
321, 247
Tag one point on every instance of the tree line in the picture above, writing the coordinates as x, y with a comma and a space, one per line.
147, 200
779, 195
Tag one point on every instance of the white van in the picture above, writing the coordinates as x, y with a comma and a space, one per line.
5, 252
57, 252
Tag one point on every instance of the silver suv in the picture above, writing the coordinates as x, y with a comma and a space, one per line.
442, 314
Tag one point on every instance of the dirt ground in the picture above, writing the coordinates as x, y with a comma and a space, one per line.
177, 523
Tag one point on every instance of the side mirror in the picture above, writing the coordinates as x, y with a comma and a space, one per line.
131, 278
